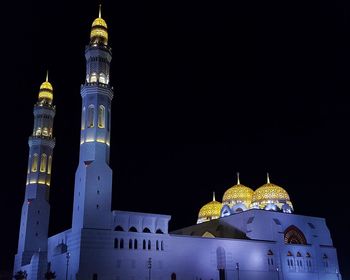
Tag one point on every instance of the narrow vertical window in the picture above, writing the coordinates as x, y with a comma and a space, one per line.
49, 165
91, 116
28, 169
121, 244
149, 244
144, 245
130, 244
135, 244
43, 163
83, 119
162, 245
116, 243
35, 163
101, 116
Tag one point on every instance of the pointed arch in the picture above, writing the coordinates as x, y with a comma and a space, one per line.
49, 165
146, 229
43, 161
83, 119
132, 229
293, 235
35, 163
91, 112
118, 228
101, 116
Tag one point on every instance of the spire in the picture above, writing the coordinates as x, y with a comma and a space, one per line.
213, 196
238, 181
268, 178
99, 10
47, 75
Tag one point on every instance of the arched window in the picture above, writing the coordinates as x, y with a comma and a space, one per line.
130, 243
93, 78
118, 228
116, 243
121, 244
132, 229
159, 231
135, 244
162, 245
45, 131
35, 163
49, 165
293, 235
149, 245
144, 245
91, 116
269, 253
83, 119
43, 163
157, 245
173, 276
102, 78
101, 116
146, 230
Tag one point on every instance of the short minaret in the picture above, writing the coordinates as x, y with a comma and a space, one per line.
36, 209
93, 179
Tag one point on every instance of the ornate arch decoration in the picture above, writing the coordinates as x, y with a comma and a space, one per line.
293, 235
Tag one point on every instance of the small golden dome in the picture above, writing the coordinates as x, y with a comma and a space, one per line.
99, 32
46, 86
210, 211
238, 194
46, 91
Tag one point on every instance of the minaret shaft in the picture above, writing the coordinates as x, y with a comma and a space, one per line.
36, 209
93, 179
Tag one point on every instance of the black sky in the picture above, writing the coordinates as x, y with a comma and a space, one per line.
202, 90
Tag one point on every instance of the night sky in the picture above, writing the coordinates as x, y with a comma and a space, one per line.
202, 90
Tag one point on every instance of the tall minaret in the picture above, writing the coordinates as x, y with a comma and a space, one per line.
36, 209
93, 178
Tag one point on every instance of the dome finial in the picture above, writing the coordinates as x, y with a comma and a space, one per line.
99, 11
268, 178
238, 181
213, 196
47, 75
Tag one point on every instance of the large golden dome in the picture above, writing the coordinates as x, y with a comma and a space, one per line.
46, 91
210, 211
99, 32
238, 194
270, 194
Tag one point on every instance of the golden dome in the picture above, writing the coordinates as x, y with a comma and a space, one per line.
99, 32
46, 91
210, 211
271, 193
238, 194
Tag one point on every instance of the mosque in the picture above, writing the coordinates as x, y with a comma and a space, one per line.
251, 235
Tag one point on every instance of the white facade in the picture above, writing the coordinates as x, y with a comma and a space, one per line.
255, 244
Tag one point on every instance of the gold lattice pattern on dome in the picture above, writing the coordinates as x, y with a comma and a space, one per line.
270, 192
238, 192
99, 22
46, 85
210, 210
